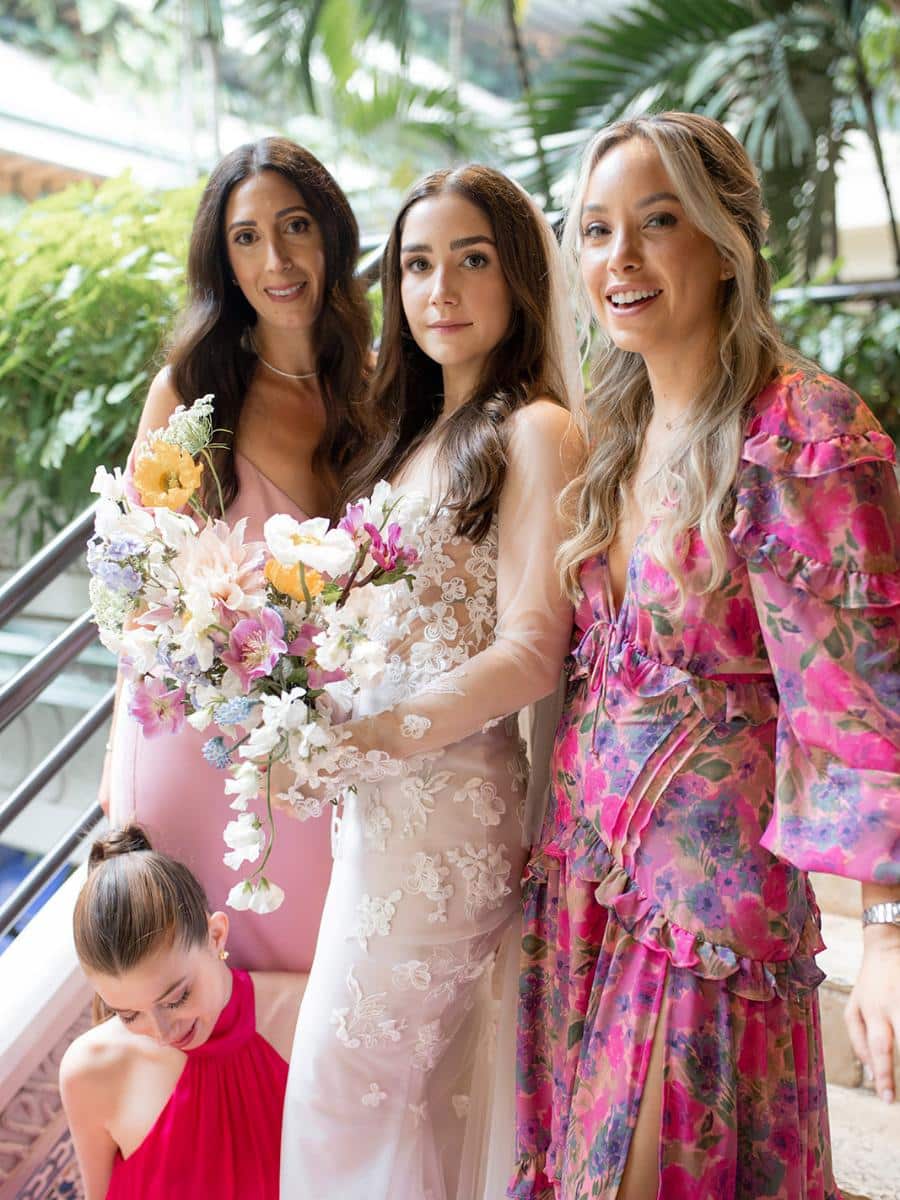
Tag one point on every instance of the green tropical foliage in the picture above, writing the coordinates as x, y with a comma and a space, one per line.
788, 76
90, 282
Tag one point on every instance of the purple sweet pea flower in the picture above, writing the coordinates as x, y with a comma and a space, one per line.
353, 520
156, 709
255, 646
389, 554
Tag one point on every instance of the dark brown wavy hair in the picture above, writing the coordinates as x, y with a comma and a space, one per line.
406, 392
209, 351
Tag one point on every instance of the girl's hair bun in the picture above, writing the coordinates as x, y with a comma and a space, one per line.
127, 840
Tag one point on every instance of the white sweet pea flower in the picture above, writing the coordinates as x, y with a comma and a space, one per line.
379, 502
246, 838
201, 719
411, 510
139, 645
245, 785
367, 661
261, 742
174, 527
288, 711
109, 486
260, 897
331, 651
337, 700
110, 521
307, 740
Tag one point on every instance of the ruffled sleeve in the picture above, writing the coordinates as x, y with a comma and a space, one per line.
818, 522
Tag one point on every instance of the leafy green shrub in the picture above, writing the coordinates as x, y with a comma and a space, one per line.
90, 282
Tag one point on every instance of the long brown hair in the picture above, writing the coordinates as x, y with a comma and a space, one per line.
405, 397
134, 902
209, 352
720, 192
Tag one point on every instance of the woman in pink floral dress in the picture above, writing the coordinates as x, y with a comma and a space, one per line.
732, 716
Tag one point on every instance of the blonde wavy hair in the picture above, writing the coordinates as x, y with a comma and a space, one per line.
718, 188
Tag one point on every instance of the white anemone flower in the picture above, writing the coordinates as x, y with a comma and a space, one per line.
331, 551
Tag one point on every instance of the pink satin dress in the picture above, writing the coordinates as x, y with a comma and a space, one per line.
166, 784
219, 1133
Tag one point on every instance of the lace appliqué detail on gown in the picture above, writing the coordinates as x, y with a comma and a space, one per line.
413, 975
486, 872
376, 822
487, 804
364, 1023
419, 791
427, 877
374, 915
374, 1096
414, 727
429, 1046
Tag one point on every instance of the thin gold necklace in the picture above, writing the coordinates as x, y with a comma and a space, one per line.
278, 371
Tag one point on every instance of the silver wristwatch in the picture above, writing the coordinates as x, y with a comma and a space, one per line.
887, 912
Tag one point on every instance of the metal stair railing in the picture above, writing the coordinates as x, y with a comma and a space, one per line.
68, 545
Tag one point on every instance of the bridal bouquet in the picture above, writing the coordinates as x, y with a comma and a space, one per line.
264, 642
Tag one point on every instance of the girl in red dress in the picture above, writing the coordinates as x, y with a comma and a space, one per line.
179, 1092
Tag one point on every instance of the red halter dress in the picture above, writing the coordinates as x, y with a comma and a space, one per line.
219, 1134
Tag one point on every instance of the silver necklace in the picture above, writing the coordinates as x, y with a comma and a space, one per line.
278, 370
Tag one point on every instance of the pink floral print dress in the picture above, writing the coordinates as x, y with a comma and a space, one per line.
707, 758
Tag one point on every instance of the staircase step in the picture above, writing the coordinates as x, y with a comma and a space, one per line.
865, 1144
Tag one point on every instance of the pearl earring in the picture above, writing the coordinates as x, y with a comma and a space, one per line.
223, 955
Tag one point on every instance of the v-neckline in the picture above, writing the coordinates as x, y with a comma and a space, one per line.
272, 484
615, 611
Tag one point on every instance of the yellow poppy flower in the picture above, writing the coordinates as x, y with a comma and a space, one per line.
288, 579
166, 476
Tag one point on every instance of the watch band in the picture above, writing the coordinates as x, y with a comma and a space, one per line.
886, 912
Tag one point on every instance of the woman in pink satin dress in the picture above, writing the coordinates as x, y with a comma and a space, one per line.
278, 329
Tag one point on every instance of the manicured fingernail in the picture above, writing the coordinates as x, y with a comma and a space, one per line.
887, 1096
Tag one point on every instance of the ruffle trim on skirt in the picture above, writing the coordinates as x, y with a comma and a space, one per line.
588, 858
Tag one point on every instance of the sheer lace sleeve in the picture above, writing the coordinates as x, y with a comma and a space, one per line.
533, 618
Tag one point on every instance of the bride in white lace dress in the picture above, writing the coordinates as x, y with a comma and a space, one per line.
478, 396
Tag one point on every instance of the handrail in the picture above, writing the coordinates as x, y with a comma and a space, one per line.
836, 293
44, 567
18, 800
17, 693
31, 885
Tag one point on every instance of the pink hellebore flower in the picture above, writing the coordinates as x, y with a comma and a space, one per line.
156, 710
388, 554
255, 646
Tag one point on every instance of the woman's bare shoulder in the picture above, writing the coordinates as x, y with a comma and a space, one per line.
94, 1064
161, 402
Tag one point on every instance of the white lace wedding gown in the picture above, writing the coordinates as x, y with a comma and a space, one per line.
392, 1075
